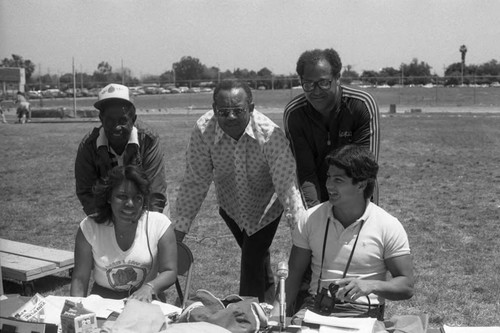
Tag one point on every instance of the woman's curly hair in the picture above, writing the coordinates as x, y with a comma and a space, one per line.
103, 189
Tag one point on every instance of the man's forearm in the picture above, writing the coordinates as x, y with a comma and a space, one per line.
396, 289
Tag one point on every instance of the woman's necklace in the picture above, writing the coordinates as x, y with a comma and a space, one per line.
126, 231
125, 235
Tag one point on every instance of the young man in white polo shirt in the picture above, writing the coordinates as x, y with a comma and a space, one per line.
350, 243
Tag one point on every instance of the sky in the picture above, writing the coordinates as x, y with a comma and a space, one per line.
148, 36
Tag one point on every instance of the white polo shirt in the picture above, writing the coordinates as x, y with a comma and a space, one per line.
382, 237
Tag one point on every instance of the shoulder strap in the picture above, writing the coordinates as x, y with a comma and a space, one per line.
324, 247
353, 248
323, 252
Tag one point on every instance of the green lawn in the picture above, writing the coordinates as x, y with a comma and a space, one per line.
440, 175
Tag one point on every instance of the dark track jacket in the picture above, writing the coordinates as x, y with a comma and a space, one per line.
93, 163
354, 121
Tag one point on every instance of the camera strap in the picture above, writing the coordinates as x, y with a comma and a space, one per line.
324, 247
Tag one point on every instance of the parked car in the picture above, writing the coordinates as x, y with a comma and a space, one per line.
69, 92
151, 90
53, 93
137, 91
94, 92
34, 94
194, 90
85, 92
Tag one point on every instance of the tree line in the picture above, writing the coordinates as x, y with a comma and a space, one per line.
190, 71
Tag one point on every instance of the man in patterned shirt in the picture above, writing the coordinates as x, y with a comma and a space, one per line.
248, 158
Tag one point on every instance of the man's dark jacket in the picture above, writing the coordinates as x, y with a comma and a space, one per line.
92, 164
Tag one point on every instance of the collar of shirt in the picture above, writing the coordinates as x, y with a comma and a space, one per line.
102, 140
249, 130
363, 217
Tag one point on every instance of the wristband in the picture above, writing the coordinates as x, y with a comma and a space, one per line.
151, 286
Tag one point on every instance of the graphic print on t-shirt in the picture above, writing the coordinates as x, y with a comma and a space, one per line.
125, 276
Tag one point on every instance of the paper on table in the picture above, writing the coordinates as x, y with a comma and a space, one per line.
103, 307
167, 309
487, 329
330, 324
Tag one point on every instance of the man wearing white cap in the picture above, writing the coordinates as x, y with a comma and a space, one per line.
120, 140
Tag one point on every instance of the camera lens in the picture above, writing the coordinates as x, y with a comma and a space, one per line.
333, 288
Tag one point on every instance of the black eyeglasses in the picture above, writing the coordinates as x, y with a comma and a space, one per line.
224, 112
323, 84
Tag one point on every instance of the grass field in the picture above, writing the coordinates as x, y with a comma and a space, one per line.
440, 175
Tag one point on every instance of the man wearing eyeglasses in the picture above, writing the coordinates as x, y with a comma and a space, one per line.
248, 158
326, 116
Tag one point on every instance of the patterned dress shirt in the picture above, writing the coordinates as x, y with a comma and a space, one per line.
254, 176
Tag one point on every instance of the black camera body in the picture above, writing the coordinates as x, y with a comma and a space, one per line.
325, 300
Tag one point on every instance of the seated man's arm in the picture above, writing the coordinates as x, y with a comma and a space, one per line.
400, 287
299, 261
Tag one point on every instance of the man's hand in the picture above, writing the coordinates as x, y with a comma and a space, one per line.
351, 289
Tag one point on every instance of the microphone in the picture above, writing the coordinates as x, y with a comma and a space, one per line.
282, 274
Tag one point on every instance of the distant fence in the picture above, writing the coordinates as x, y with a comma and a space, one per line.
278, 98
437, 96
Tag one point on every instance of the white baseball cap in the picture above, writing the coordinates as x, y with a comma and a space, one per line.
112, 91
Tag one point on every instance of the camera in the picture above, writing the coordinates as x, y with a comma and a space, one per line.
325, 300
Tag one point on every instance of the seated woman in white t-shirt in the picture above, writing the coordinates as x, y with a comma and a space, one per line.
132, 251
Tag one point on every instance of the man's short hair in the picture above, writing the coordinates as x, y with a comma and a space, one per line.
359, 163
314, 56
234, 84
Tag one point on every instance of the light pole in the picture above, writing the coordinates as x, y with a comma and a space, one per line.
173, 72
463, 51
402, 75
272, 80
123, 75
